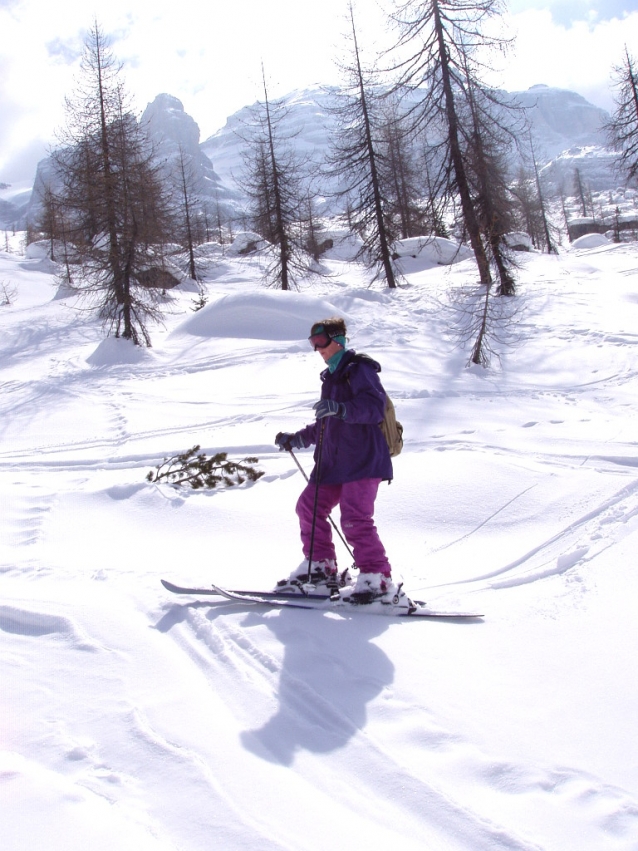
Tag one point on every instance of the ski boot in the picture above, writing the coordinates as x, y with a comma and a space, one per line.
325, 577
376, 588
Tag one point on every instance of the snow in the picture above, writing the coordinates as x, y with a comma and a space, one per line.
568, 134
431, 251
590, 240
268, 315
246, 242
519, 241
133, 719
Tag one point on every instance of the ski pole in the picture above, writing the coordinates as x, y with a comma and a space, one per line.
332, 523
314, 508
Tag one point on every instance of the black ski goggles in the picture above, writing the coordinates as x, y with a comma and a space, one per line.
320, 340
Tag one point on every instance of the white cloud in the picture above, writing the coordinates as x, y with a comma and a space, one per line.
209, 54
579, 57
567, 12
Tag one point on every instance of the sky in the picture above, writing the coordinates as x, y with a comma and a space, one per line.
209, 55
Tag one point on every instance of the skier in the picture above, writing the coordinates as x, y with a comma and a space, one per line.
351, 460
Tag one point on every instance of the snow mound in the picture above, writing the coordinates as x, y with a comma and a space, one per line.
519, 241
37, 250
590, 240
270, 315
247, 242
64, 291
434, 249
115, 350
40, 251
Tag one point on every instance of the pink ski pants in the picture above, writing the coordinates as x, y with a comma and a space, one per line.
356, 501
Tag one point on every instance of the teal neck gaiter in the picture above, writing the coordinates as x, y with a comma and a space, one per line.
335, 360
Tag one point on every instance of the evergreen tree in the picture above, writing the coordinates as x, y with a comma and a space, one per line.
434, 182
529, 210
547, 238
185, 211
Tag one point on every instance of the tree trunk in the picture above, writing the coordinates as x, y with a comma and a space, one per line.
456, 155
279, 217
374, 176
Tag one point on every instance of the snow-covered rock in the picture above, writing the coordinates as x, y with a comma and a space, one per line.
519, 241
247, 242
116, 350
175, 134
38, 249
561, 119
590, 240
435, 249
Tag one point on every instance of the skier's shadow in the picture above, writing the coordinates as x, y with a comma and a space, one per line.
328, 676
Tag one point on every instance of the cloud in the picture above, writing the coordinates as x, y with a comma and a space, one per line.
568, 12
209, 55
579, 57
19, 167
67, 50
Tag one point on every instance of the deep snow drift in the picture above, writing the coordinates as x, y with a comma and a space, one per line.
136, 720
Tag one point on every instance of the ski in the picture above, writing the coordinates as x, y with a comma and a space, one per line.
320, 602
214, 591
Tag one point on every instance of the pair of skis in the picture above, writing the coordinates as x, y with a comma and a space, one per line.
406, 607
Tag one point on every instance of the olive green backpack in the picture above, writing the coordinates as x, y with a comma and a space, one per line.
389, 425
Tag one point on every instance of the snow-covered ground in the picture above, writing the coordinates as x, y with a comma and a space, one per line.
132, 719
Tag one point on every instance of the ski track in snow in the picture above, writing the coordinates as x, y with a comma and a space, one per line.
25, 515
577, 543
305, 719
306, 698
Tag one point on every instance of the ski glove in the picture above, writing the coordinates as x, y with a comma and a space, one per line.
286, 441
330, 408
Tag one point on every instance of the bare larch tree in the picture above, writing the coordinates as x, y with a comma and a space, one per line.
356, 157
111, 193
623, 126
436, 58
275, 182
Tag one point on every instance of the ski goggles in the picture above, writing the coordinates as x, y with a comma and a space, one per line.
320, 340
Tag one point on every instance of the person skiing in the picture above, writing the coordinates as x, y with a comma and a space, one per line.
351, 460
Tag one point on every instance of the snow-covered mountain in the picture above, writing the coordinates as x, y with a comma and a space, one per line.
561, 119
175, 133
14, 201
306, 121
175, 138
568, 133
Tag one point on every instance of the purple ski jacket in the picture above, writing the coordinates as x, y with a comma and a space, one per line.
353, 448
